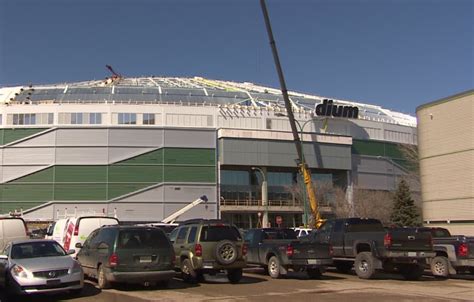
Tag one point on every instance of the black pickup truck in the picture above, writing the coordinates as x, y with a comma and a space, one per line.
278, 250
454, 254
368, 246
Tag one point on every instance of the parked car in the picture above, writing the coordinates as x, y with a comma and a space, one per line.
454, 254
12, 228
366, 245
128, 254
208, 246
278, 250
39, 266
77, 229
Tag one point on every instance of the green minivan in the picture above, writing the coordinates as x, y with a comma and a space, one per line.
127, 254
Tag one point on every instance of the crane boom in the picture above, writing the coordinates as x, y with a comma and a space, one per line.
304, 170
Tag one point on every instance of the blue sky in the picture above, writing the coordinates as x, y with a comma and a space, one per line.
398, 54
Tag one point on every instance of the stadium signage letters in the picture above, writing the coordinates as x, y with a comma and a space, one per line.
327, 108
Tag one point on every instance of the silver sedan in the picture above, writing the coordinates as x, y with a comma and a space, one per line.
39, 266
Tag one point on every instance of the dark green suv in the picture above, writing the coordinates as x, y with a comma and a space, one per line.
129, 254
208, 246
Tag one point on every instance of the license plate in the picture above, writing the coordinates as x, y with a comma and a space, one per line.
411, 254
146, 259
312, 261
53, 282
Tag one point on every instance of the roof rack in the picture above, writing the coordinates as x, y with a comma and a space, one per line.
201, 221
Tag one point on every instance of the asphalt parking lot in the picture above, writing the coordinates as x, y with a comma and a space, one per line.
255, 286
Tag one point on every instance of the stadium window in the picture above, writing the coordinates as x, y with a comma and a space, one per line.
76, 118
148, 118
127, 118
24, 119
95, 118
50, 118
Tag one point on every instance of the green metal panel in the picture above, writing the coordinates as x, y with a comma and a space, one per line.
80, 174
131, 174
11, 135
45, 175
189, 156
80, 191
150, 158
190, 174
374, 148
116, 190
7, 207
27, 192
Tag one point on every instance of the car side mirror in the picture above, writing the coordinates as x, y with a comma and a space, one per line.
78, 245
103, 246
71, 251
3, 257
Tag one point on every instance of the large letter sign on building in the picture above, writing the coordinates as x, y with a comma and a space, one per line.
327, 108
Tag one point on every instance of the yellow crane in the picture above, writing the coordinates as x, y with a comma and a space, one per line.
303, 168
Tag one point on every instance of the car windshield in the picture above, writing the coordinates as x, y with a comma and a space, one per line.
36, 250
218, 233
144, 238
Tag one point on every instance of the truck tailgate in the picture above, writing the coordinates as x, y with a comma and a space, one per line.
410, 240
310, 250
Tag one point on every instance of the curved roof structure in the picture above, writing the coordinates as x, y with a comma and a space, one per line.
183, 90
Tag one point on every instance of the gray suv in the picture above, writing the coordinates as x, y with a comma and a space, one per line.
208, 246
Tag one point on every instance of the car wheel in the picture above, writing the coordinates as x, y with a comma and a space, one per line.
187, 271
440, 267
226, 252
102, 278
364, 265
314, 273
412, 272
274, 269
343, 267
234, 275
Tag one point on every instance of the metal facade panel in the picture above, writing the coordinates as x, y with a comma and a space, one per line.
199, 211
14, 172
44, 140
136, 137
117, 154
81, 156
185, 194
81, 137
28, 156
190, 138
152, 195
374, 181
137, 211
283, 154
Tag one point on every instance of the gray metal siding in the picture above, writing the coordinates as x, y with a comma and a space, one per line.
190, 139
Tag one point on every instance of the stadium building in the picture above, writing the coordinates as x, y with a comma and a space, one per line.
142, 148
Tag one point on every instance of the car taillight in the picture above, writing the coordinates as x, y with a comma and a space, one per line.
331, 251
76, 229
289, 250
387, 240
244, 249
113, 260
198, 250
463, 250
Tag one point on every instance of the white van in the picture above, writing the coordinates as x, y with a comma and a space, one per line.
77, 229
12, 228
56, 231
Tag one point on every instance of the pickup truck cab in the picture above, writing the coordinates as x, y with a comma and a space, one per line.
278, 250
368, 246
454, 254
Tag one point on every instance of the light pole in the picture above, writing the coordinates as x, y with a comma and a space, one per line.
264, 195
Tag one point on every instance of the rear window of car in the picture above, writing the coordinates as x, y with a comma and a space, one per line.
218, 233
146, 238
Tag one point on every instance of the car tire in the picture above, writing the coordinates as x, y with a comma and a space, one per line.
364, 265
102, 281
226, 252
343, 266
440, 267
412, 272
234, 275
314, 273
274, 268
188, 273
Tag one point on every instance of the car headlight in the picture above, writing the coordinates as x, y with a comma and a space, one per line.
76, 268
19, 272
